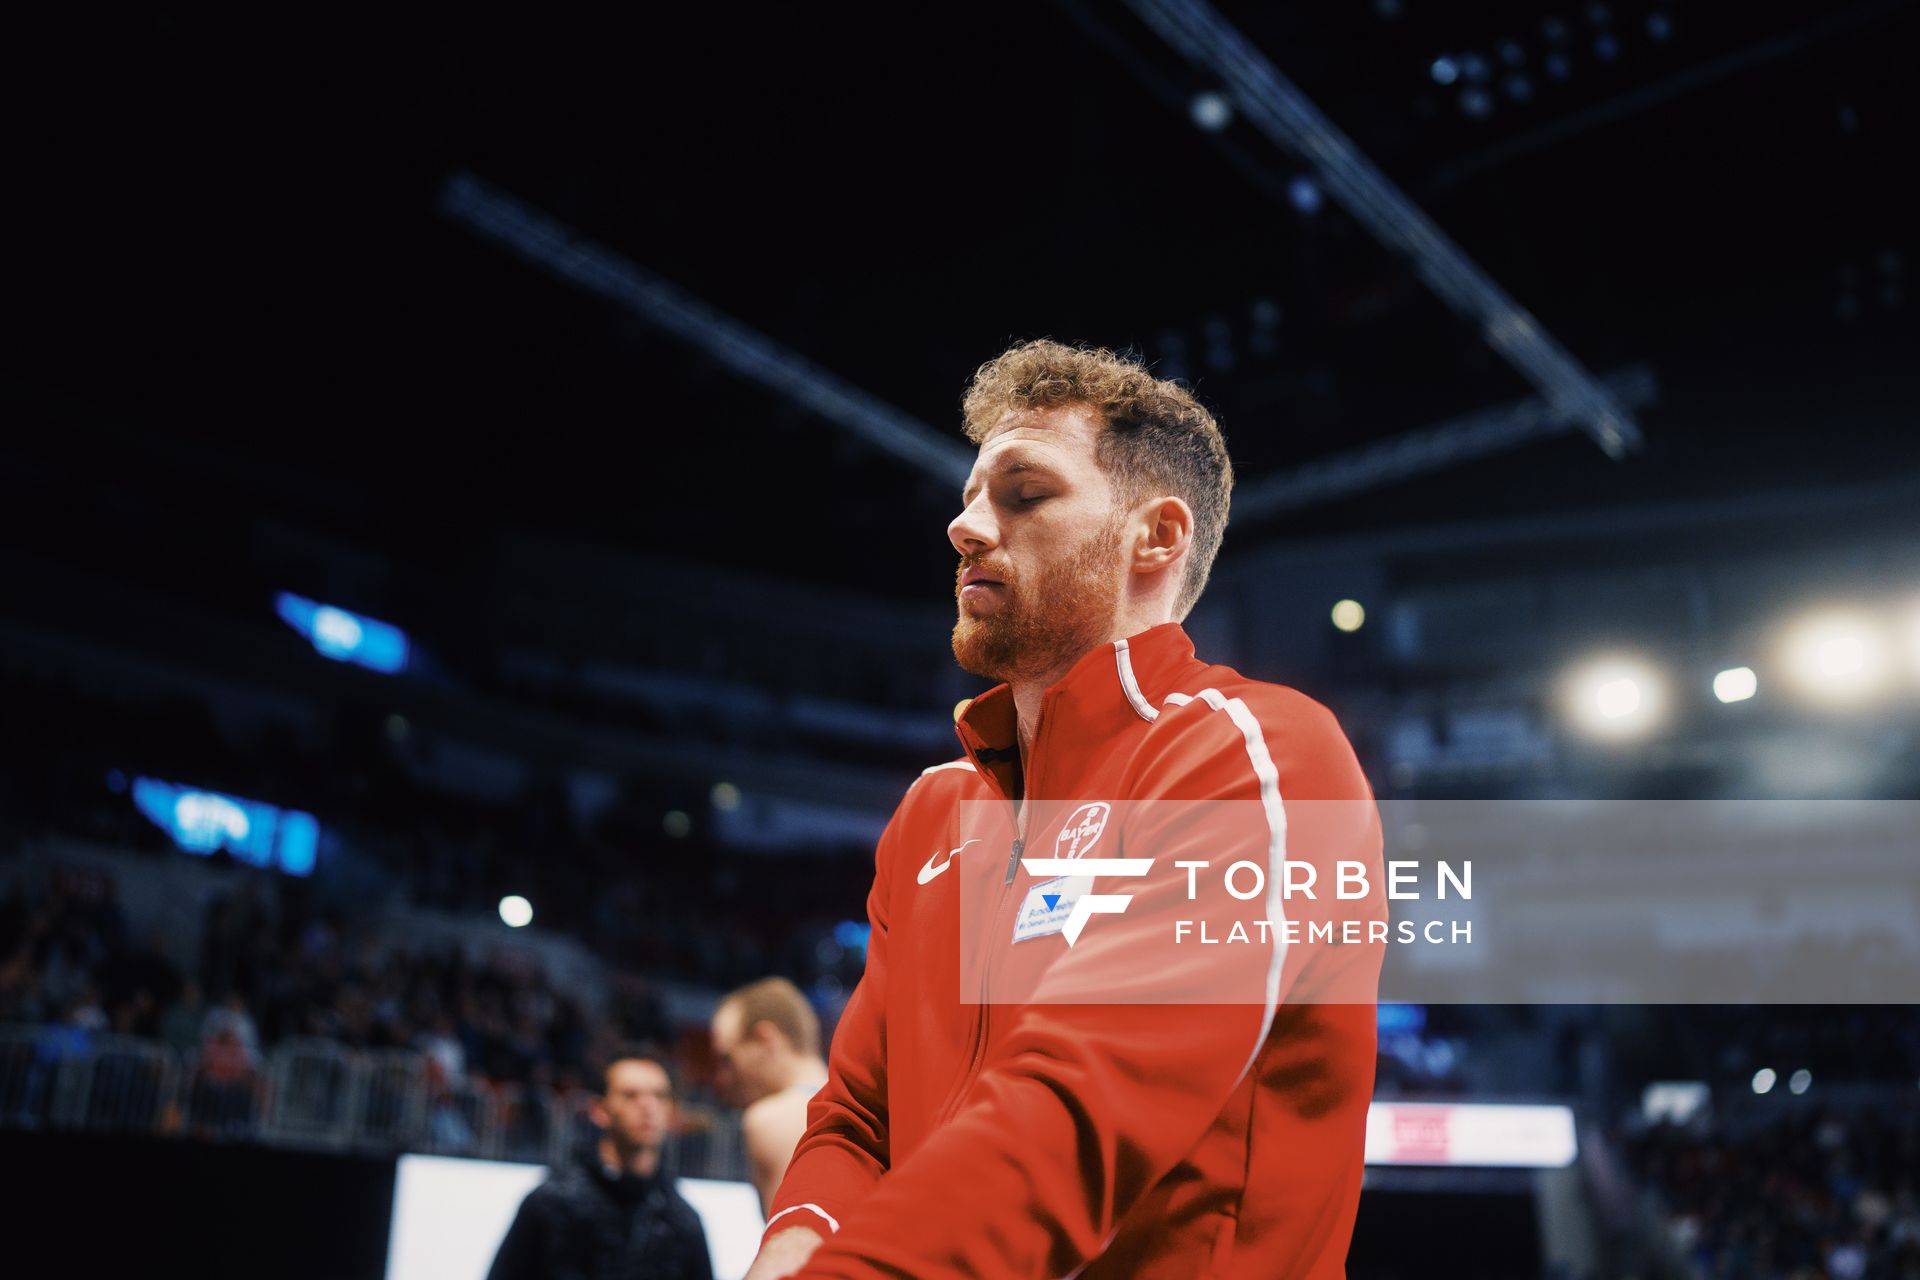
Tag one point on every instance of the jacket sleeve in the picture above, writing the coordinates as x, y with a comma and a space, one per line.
1081, 1108
845, 1148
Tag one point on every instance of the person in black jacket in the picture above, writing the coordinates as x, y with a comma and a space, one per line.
613, 1212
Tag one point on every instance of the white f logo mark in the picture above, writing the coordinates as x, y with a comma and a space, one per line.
1089, 905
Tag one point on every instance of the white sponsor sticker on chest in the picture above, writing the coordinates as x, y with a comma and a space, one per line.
1047, 905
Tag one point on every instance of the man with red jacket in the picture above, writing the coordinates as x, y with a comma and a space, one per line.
1034, 1079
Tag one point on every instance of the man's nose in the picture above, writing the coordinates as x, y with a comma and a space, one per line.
972, 531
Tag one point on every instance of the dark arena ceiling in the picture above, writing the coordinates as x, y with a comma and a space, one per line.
234, 288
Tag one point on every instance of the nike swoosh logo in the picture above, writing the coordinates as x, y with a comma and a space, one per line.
930, 871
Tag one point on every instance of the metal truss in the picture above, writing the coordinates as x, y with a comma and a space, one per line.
1474, 435
544, 240
1291, 121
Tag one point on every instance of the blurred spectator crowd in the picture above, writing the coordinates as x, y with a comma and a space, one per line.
412, 820
264, 973
1809, 1194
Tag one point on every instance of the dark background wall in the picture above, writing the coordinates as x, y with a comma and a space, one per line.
112, 1206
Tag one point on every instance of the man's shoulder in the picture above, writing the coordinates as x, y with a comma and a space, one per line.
939, 786
1221, 726
561, 1190
564, 1178
1245, 702
959, 774
764, 1112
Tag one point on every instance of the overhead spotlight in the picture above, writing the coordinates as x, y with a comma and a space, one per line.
1660, 27
725, 797
1619, 697
1476, 103
1616, 697
1444, 70
337, 629
1558, 67
1736, 684
1512, 53
1763, 1080
1211, 111
1304, 194
515, 911
1836, 656
676, 824
1605, 47
1910, 637
1475, 67
1349, 615
1518, 87
1800, 1081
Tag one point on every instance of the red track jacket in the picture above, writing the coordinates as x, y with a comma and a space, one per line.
967, 1138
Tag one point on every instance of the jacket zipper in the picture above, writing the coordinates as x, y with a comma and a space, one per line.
1022, 815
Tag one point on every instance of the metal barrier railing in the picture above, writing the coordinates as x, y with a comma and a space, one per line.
392, 1102
312, 1085
224, 1094
314, 1094
573, 1125
27, 1070
463, 1119
711, 1142
124, 1085
527, 1118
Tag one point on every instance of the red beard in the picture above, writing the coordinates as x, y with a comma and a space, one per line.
1049, 623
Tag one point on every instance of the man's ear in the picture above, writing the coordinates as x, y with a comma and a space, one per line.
1167, 528
597, 1112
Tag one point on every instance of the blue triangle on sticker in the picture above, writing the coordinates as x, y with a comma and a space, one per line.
1051, 899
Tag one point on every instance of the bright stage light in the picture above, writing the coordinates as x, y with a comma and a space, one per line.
1617, 697
1910, 637
1763, 1080
250, 831
516, 911
345, 637
1837, 656
1736, 684
1304, 194
1349, 615
1211, 111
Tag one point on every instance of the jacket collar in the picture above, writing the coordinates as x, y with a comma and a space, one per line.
1116, 685
617, 1183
